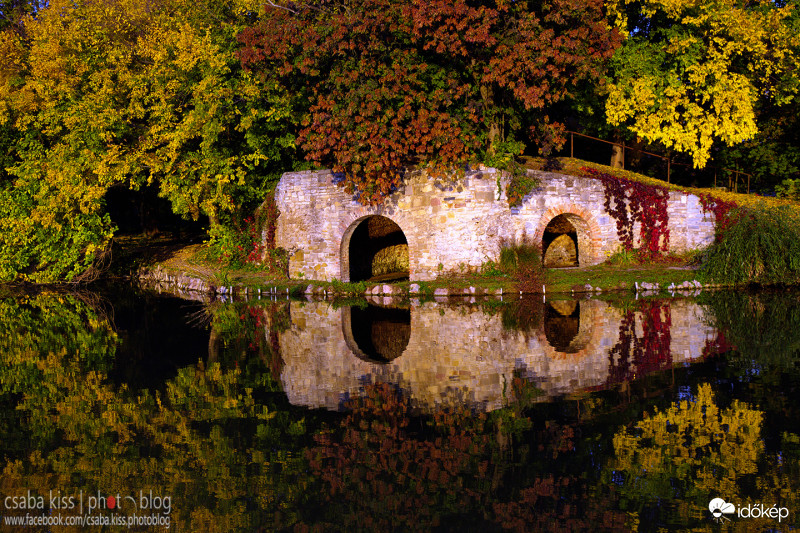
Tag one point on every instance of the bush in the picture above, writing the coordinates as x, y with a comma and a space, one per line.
523, 262
757, 246
789, 189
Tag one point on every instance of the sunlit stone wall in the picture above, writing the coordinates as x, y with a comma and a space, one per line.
452, 226
460, 353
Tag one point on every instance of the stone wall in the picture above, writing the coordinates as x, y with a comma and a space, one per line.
453, 226
460, 353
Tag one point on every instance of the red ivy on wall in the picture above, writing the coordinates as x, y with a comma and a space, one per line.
630, 202
720, 209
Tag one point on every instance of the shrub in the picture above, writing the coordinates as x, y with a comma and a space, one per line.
789, 189
523, 262
520, 184
757, 246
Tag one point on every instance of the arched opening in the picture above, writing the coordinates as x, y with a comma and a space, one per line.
374, 249
562, 323
560, 242
377, 334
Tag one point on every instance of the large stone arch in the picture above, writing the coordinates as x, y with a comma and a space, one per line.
586, 227
371, 244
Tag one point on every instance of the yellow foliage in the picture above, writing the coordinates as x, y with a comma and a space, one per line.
700, 80
697, 441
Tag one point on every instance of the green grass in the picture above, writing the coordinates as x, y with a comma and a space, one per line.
611, 277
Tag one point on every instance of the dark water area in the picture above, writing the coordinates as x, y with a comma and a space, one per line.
122, 409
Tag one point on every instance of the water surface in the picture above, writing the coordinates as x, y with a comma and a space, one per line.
563, 415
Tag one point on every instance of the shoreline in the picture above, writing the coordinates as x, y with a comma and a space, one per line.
174, 276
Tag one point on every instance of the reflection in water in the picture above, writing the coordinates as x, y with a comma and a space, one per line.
561, 324
453, 354
222, 441
379, 334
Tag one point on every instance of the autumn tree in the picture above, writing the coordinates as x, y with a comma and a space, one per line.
690, 75
97, 95
384, 86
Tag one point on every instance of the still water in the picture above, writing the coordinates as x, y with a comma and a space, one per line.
127, 410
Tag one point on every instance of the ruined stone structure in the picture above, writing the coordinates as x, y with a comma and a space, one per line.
431, 226
440, 354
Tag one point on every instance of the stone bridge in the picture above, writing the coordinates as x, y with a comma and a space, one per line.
432, 226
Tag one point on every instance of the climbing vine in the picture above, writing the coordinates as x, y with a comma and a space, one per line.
630, 202
720, 209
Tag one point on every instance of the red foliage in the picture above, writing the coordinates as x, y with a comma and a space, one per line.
716, 346
630, 202
385, 85
720, 209
634, 355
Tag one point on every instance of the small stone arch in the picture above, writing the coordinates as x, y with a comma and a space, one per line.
374, 247
585, 232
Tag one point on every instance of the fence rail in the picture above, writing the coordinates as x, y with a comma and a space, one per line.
733, 174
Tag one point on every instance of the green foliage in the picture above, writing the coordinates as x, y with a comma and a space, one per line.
757, 246
502, 155
169, 104
789, 189
623, 257
520, 184
238, 243
774, 153
691, 74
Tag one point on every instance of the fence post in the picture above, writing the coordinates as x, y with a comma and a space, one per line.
748, 184
623, 155
668, 169
571, 143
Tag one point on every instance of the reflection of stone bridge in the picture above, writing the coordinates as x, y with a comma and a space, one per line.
440, 353
429, 226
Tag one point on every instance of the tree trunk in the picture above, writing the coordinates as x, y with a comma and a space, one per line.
617, 157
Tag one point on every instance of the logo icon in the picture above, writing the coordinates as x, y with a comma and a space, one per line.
719, 508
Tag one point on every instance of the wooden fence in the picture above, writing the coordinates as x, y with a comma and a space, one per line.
734, 176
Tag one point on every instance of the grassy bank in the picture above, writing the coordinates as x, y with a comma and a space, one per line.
189, 261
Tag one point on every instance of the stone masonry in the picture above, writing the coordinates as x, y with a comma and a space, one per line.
459, 225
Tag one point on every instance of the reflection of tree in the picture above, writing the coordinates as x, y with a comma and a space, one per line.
693, 452
383, 473
228, 462
387, 469
250, 329
762, 326
641, 354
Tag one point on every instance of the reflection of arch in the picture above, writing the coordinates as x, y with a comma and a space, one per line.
374, 248
564, 327
376, 334
587, 231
